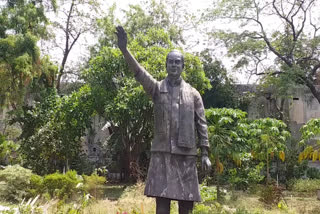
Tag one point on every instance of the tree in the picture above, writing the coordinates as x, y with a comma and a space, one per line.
222, 94
227, 130
267, 138
123, 101
75, 19
52, 130
169, 15
22, 22
288, 51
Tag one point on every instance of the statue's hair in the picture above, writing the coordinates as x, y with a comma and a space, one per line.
175, 51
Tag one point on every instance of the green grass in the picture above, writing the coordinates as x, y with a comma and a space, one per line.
130, 199
113, 192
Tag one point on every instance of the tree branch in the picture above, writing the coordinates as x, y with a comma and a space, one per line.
314, 69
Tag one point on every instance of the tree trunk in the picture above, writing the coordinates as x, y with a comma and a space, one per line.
219, 198
126, 164
268, 174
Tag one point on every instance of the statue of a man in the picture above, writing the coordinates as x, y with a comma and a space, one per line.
179, 111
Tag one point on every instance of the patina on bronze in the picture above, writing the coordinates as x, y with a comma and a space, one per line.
179, 111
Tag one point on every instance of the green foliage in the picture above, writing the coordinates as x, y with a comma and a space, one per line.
82, 164
214, 208
241, 178
76, 208
60, 185
309, 130
28, 209
208, 193
222, 94
267, 138
227, 129
140, 18
19, 57
36, 185
23, 23
11, 211
306, 185
271, 194
313, 173
52, 130
8, 151
24, 16
92, 184
267, 135
202, 209
15, 182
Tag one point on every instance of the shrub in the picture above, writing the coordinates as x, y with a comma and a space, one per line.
313, 173
214, 208
15, 182
202, 209
92, 183
306, 185
62, 185
242, 178
36, 185
208, 193
271, 194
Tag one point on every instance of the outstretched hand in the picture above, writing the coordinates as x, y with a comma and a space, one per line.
122, 38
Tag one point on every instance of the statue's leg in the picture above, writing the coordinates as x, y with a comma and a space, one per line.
163, 205
185, 207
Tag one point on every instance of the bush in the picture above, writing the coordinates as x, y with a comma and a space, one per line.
202, 209
36, 185
271, 194
208, 193
306, 185
313, 173
62, 185
92, 183
15, 182
214, 208
244, 177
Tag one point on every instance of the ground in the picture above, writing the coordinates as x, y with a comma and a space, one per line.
129, 199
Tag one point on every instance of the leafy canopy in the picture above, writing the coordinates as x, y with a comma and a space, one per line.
52, 130
287, 51
22, 24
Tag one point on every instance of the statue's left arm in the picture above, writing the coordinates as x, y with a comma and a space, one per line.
202, 130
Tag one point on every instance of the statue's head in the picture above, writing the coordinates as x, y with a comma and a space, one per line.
174, 63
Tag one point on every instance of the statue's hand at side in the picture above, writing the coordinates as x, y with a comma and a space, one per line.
205, 163
122, 38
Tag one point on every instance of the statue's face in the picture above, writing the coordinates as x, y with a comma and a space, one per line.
174, 64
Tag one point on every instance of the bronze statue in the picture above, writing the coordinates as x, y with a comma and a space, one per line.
179, 111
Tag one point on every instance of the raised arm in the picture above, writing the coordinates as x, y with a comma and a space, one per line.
141, 75
122, 43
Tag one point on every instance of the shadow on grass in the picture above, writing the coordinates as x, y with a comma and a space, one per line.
113, 192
